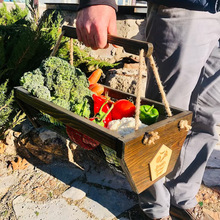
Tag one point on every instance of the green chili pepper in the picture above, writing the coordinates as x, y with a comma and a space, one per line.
148, 114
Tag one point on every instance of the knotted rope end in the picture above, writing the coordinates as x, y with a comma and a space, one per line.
150, 138
183, 124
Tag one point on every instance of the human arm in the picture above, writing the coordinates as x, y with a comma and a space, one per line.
94, 22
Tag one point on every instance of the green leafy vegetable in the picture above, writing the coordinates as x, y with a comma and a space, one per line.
59, 82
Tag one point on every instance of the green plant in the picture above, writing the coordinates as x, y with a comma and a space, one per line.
87, 63
4, 213
36, 213
24, 44
200, 203
6, 101
8, 118
12, 16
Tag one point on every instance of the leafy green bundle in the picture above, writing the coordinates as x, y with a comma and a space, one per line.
59, 82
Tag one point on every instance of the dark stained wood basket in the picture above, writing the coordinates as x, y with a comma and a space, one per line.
143, 162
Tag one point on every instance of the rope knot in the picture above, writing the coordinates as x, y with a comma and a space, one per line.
183, 124
150, 138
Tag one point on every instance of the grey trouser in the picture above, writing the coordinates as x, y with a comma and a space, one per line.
187, 52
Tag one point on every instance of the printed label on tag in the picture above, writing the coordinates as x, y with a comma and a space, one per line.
159, 164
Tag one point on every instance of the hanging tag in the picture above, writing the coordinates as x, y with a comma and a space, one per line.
159, 164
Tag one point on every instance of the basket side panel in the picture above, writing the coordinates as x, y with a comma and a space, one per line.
137, 156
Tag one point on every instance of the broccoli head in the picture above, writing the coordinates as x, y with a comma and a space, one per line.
32, 80
81, 79
41, 92
56, 70
62, 103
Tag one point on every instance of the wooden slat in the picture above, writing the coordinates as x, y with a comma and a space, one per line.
114, 93
105, 136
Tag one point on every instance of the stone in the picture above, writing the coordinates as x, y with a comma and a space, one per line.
47, 134
102, 202
125, 80
26, 127
213, 161
212, 177
53, 210
43, 144
105, 176
74, 194
214, 215
6, 183
66, 172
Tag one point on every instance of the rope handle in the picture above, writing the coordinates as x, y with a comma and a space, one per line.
159, 84
57, 44
138, 96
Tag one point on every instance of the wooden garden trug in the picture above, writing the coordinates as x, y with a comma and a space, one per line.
146, 155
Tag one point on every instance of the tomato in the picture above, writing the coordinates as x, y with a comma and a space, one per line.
123, 108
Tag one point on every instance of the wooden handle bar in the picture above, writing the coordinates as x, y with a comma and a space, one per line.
129, 45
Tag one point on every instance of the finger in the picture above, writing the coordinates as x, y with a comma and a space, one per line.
91, 38
107, 45
82, 29
95, 46
101, 38
86, 38
112, 26
94, 38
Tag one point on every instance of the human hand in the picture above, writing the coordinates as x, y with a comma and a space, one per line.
94, 23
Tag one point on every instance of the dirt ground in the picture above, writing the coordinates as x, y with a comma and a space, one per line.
210, 199
207, 197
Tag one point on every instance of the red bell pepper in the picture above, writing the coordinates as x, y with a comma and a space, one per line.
82, 140
98, 102
102, 118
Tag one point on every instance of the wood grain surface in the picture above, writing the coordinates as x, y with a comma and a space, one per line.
137, 156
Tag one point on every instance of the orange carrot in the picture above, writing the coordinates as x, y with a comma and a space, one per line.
92, 85
98, 89
95, 76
